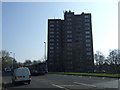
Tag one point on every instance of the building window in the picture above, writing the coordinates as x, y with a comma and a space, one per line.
88, 45
87, 32
57, 21
86, 16
87, 40
57, 47
51, 55
87, 24
52, 21
58, 25
69, 36
69, 44
51, 32
87, 28
57, 28
87, 20
88, 53
69, 27
51, 39
51, 36
51, 25
88, 49
57, 43
87, 36
51, 29
69, 23
51, 47
68, 15
69, 31
57, 32
51, 51
51, 43
69, 19
57, 39
69, 40
81, 38
57, 36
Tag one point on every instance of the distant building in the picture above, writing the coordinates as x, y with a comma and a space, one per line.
70, 43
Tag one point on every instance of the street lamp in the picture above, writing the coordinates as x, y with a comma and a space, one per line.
45, 50
46, 68
13, 58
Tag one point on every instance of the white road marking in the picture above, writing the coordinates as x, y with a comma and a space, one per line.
60, 86
90, 77
69, 85
85, 84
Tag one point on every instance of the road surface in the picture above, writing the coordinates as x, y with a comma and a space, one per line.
64, 82
0, 80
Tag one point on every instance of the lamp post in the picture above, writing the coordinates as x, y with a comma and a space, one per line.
46, 68
45, 50
13, 58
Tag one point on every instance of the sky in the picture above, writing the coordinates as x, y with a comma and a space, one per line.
24, 25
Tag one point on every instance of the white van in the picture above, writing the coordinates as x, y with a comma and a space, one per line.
21, 75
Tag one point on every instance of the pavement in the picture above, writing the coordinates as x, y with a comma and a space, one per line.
64, 82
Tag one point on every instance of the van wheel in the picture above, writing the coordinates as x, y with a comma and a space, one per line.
29, 82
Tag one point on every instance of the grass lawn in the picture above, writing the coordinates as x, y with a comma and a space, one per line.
88, 74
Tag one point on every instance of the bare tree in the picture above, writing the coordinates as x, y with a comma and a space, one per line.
35, 62
27, 62
118, 59
6, 59
4, 53
113, 56
99, 58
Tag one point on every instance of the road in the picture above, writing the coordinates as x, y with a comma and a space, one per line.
65, 82
0, 80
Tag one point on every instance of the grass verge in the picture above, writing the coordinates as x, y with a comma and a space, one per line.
88, 74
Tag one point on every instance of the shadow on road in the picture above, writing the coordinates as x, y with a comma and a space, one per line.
10, 85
